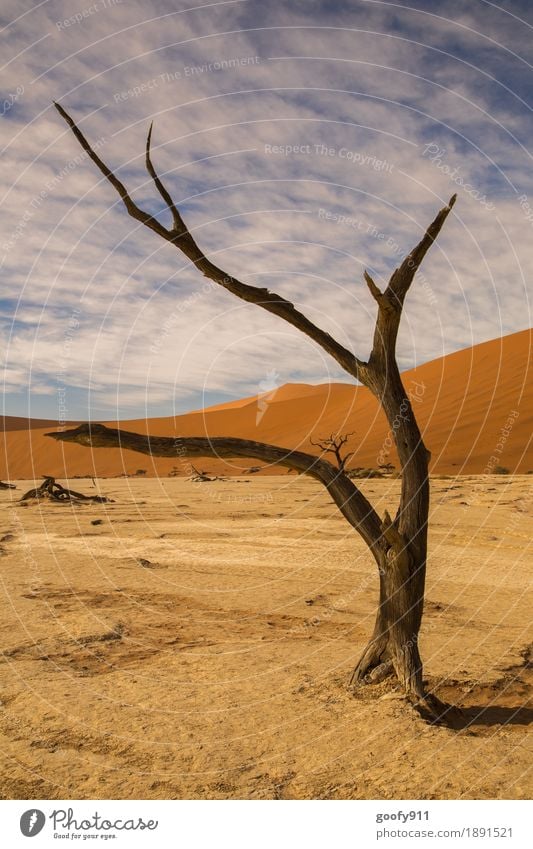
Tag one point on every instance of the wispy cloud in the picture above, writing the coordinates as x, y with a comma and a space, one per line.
300, 145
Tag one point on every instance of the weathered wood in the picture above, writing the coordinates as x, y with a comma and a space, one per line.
202, 477
399, 546
56, 492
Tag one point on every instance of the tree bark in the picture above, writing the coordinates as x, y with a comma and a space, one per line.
403, 565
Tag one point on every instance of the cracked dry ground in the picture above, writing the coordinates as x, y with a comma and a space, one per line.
197, 641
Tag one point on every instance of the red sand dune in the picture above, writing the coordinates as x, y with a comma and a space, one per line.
462, 402
20, 423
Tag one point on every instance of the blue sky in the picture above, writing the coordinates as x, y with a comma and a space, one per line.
302, 141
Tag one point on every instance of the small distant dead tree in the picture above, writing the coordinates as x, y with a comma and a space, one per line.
7, 485
399, 544
387, 468
333, 445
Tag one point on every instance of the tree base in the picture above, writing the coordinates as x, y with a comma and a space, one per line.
373, 666
372, 671
383, 658
433, 710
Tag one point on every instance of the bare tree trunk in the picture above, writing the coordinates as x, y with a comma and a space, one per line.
395, 638
393, 646
402, 568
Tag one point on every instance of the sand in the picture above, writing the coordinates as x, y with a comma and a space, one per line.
462, 402
219, 668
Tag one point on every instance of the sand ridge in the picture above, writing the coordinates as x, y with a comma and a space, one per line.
462, 401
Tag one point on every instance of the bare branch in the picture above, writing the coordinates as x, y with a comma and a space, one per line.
179, 224
390, 302
344, 438
374, 290
402, 278
348, 498
182, 239
130, 205
335, 440
323, 446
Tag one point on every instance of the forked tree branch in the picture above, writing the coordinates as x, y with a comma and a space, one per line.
402, 278
178, 222
180, 236
390, 302
348, 498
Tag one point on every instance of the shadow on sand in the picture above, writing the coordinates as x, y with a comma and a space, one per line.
460, 718
504, 702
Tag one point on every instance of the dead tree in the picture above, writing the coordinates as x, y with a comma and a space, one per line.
333, 445
398, 545
7, 485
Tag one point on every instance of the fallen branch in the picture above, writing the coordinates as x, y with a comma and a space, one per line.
54, 491
202, 477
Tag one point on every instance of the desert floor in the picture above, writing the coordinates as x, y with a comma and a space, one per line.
218, 669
